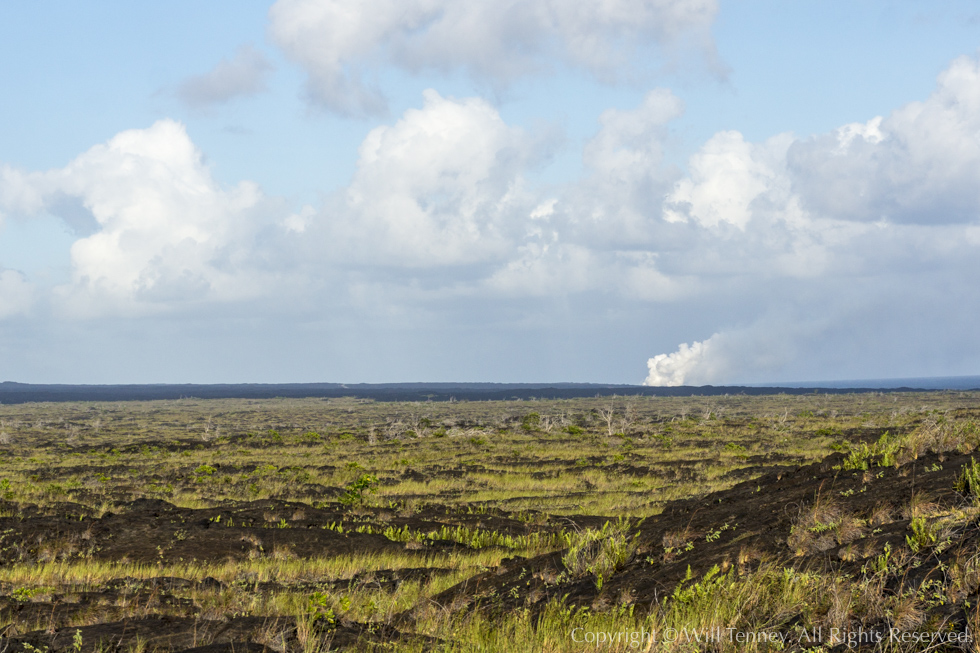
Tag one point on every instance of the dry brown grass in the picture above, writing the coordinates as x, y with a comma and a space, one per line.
881, 514
814, 529
919, 505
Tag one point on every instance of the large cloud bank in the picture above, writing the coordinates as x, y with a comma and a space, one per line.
890, 206
856, 245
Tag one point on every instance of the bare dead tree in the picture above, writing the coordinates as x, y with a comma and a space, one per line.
628, 420
608, 415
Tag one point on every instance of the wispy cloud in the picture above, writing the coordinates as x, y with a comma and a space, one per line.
341, 43
242, 75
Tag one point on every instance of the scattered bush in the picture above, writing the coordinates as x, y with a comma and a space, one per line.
969, 481
531, 422
203, 472
600, 552
319, 610
886, 450
923, 534
355, 492
310, 437
665, 440
5, 492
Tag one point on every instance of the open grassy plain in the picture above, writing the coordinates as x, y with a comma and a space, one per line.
309, 525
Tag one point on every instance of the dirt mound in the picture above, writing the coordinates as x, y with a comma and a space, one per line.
866, 514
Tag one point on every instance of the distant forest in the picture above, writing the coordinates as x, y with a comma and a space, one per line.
18, 393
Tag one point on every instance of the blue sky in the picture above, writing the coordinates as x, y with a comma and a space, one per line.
676, 191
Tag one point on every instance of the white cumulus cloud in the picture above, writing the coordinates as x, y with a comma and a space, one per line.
839, 218
165, 232
919, 165
618, 203
441, 186
628, 149
726, 176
